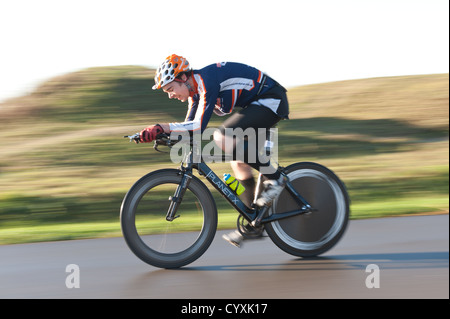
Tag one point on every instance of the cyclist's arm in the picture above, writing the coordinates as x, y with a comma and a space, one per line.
165, 127
198, 114
192, 107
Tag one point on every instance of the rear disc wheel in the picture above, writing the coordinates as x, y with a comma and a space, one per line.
313, 233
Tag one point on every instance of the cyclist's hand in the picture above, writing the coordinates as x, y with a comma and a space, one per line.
149, 134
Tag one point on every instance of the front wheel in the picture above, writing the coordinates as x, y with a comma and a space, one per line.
162, 243
316, 232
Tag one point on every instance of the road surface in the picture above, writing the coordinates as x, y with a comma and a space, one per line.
400, 257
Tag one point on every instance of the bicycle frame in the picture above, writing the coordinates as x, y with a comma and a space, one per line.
254, 216
301, 237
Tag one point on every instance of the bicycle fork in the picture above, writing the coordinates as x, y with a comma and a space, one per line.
176, 199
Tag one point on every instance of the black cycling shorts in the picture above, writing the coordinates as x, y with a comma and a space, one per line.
249, 149
262, 113
253, 116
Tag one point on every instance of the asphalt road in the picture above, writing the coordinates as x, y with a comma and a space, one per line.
410, 254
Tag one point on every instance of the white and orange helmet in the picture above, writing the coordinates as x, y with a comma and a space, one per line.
170, 69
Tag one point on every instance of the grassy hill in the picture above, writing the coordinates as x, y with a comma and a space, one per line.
64, 166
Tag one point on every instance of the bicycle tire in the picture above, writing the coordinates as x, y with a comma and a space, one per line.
143, 197
313, 233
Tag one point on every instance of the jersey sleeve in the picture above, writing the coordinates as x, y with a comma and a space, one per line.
200, 111
192, 108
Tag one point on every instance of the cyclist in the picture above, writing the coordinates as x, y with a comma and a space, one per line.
219, 88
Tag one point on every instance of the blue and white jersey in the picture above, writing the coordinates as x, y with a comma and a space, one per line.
220, 88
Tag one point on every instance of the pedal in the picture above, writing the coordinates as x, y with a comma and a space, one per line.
248, 230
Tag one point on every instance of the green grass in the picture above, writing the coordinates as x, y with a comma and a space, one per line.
64, 166
31, 232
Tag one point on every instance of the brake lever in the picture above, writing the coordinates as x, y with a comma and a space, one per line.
162, 139
134, 138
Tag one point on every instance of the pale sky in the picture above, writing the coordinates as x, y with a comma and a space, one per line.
297, 42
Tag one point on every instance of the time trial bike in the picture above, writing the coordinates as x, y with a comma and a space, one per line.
179, 212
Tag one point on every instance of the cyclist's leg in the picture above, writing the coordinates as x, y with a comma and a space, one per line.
265, 112
242, 171
253, 117
275, 99
244, 133
244, 174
